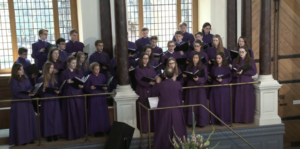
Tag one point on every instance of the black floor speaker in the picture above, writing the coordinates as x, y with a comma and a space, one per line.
120, 136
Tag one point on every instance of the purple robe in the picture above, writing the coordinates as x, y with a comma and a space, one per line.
25, 63
197, 96
202, 53
23, 127
212, 52
244, 105
220, 96
51, 121
187, 37
85, 72
73, 115
63, 55
168, 93
207, 38
144, 90
167, 55
131, 45
140, 44
98, 117
100, 57
75, 46
157, 50
153, 63
251, 53
39, 57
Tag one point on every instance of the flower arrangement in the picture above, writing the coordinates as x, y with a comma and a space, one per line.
195, 142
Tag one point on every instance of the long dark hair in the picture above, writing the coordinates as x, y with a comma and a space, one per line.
224, 60
247, 58
141, 65
199, 64
200, 43
50, 59
204, 25
14, 72
151, 55
69, 60
246, 44
176, 65
47, 76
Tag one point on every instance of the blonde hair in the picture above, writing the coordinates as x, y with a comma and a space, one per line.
220, 47
47, 76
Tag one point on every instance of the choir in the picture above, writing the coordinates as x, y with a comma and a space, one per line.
206, 60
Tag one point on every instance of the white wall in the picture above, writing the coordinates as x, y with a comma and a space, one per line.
89, 23
239, 18
113, 21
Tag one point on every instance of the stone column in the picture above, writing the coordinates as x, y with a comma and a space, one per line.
266, 111
247, 21
231, 24
125, 99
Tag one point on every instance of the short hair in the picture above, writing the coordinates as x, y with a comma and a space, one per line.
169, 74
153, 38
145, 29
59, 40
198, 33
97, 42
72, 31
42, 30
170, 41
179, 32
22, 50
93, 65
182, 24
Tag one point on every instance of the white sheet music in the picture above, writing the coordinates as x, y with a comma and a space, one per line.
153, 102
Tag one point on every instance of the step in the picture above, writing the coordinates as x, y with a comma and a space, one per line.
4, 134
4, 117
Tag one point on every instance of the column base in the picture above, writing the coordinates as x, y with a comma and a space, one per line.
266, 110
125, 107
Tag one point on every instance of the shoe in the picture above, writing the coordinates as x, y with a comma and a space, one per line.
55, 138
49, 139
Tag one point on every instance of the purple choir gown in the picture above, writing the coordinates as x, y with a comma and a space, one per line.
212, 52
73, 115
63, 55
51, 121
168, 93
131, 45
39, 57
75, 46
197, 96
98, 117
144, 90
140, 44
157, 50
101, 57
244, 103
25, 63
85, 72
167, 55
23, 127
220, 96
187, 37
207, 38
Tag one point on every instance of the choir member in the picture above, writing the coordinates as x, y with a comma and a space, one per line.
155, 48
242, 42
220, 96
73, 117
168, 93
63, 55
198, 48
141, 42
187, 37
98, 117
197, 95
144, 89
244, 104
25, 62
23, 127
177, 72
199, 36
152, 61
217, 47
73, 45
53, 57
207, 37
82, 64
170, 52
179, 41
131, 45
51, 121
100, 57
38, 49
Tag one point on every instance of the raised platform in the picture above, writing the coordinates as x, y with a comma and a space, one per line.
261, 137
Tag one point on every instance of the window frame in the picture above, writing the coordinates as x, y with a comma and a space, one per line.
74, 21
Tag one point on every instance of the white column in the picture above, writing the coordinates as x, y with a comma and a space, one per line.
125, 107
266, 110
89, 23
